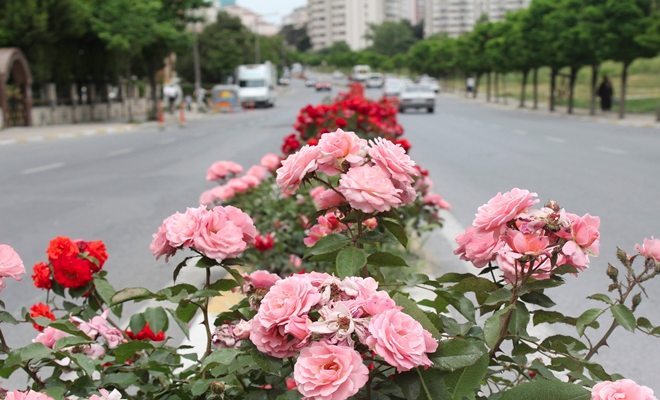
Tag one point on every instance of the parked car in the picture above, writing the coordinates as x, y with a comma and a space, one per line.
323, 85
310, 82
375, 81
418, 97
284, 81
394, 86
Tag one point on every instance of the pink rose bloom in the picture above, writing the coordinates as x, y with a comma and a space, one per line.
274, 341
262, 279
585, 241
105, 395
503, 208
623, 389
221, 169
238, 185
526, 244
49, 336
99, 325
225, 232
296, 167
220, 193
287, 298
369, 189
650, 248
326, 198
317, 278
29, 395
94, 351
181, 228
477, 246
295, 261
400, 340
377, 303
11, 265
160, 246
370, 223
508, 264
251, 181
242, 329
243, 221
206, 198
270, 161
435, 200
327, 224
337, 147
329, 372
407, 194
393, 159
258, 172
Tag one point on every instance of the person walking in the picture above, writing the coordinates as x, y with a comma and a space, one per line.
605, 92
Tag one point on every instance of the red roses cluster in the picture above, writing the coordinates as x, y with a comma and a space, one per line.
350, 111
71, 263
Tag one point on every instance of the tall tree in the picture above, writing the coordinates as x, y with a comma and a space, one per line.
391, 38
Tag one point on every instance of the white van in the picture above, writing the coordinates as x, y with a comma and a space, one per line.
361, 73
256, 84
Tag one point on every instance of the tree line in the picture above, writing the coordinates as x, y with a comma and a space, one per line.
559, 34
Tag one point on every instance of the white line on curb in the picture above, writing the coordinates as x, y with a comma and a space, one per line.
42, 168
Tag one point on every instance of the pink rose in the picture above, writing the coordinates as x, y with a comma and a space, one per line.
377, 303
49, 336
477, 246
337, 147
296, 167
220, 193
503, 208
221, 169
238, 185
329, 372
650, 248
526, 244
258, 172
326, 198
94, 351
585, 241
327, 224
407, 194
369, 189
29, 395
262, 279
225, 232
623, 389
435, 200
400, 340
105, 395
243, 221
317, 278
181, 228
251, 181
295, 261
270, 161
160, 246
242, 329
287, 298
393, 159
273, 341
512, 269
370, 223
206, 198
99, 325
11, 265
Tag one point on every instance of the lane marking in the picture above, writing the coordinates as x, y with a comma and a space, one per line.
42, 168
121, 152
520, 132
611, 150
555, 139
167, 141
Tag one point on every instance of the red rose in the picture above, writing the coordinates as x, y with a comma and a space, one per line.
264, 243
403, 143
41, 276
72, 272
41, 310
95, 249
61, 247
146, 334
341, 122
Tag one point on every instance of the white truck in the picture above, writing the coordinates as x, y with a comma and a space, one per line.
256, 84
361, 73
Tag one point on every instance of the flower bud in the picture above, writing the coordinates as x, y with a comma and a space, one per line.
218, 387
613, 286
612, 272
636, 300
553, 205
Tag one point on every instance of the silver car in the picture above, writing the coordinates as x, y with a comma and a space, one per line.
418, 97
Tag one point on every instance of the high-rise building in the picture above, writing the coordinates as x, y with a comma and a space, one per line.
298, 17
455, 17
398, 10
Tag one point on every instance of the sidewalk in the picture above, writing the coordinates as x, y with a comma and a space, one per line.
632, 120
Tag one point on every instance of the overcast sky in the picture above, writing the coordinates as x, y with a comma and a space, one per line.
281, 7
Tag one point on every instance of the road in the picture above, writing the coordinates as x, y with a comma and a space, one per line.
119, 188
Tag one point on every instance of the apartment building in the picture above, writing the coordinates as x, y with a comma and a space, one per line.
297, 18
455, 17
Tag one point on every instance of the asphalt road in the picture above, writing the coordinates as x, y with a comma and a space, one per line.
119, 188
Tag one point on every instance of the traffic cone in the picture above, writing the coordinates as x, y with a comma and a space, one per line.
160, 116
182, 115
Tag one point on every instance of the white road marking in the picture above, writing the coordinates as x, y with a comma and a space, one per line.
7, 141
121, 152
611, 150
555, 139
168, 141
42, 168
520, 132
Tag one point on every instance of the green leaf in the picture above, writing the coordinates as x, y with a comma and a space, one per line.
538, 298
329, 244
411, 308
464, 383
384, 259
221, 356
157, 319
85, 363
397, 230
7, 318
552, 317
493, 327
200, 387
586, 319
601, 297
501, 295
349, 261
624, 316
33, 351
69, 341
541, 389
122, 379
519, 320
104, 289
133, 293
457, 353
266, 363
126, 351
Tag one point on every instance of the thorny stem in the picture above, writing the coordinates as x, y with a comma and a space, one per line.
3, 343
34, 376
205, 312
426, 389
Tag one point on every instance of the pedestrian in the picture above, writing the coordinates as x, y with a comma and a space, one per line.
188, 101
469, 84
605, 92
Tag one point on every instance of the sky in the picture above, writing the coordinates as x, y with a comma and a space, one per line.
280, 7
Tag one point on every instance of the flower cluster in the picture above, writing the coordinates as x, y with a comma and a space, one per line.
351, 111
71, 263
219, 233
526, 242
650, 248
11, 265
32, 395
623, 389
333, 324
226, 173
